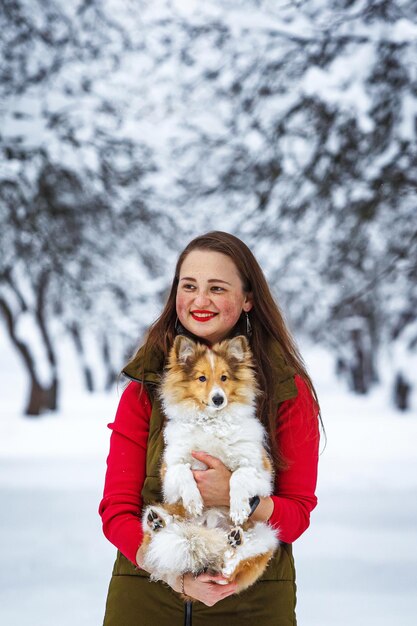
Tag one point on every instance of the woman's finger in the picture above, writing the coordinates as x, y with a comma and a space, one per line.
208, 459
229, 590
214, 578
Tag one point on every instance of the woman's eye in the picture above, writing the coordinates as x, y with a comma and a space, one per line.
223, 378
189, 287
217, 289
202, 379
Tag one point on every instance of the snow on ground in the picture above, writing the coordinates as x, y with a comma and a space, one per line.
357, 564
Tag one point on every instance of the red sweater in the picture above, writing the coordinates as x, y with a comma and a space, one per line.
294, 497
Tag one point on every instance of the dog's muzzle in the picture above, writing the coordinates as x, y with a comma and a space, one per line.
218, 401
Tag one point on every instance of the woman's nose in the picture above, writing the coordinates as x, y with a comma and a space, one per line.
202, 299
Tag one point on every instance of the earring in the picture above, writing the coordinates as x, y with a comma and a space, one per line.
248, 325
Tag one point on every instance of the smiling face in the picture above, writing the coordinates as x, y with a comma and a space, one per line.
210, 296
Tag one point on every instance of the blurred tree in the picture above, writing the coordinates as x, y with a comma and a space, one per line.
291, 124
41, 233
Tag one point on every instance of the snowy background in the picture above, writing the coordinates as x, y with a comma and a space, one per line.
126, 128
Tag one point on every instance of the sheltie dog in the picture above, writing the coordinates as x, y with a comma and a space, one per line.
209, 399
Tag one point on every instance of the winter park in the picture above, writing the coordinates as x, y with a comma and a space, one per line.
129, 128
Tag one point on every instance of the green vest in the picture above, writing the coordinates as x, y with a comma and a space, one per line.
156, 602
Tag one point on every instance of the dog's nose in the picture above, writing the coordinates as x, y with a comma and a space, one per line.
217, 399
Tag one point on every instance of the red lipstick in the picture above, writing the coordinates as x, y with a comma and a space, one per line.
202, 316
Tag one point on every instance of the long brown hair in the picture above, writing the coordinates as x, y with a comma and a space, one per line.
265, 317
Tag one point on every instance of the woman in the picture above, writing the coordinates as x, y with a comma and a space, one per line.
218, 291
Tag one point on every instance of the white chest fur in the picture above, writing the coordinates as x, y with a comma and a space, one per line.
234, 435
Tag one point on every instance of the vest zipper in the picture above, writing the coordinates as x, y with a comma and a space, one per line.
188, 614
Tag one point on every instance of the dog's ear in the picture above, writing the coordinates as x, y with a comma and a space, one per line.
237, 347
184, 348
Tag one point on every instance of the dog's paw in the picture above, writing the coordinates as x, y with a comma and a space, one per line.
154, 521
231, 559
235, 537
194, 504
239, 511
191, 498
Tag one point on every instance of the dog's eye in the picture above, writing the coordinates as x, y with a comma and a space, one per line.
223, 378
202, 379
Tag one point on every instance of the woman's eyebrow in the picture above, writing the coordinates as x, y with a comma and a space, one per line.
210, 280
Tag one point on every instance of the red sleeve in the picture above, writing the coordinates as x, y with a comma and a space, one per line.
121, 506
298, 440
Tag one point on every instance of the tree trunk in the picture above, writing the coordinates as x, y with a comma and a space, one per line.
402, 391
40, 398
361, 370
110, 372
51, 399
79, 347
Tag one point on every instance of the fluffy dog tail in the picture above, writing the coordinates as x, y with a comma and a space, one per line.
185, 548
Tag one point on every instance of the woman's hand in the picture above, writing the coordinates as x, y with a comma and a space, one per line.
202, 587
205, 589
214, 482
